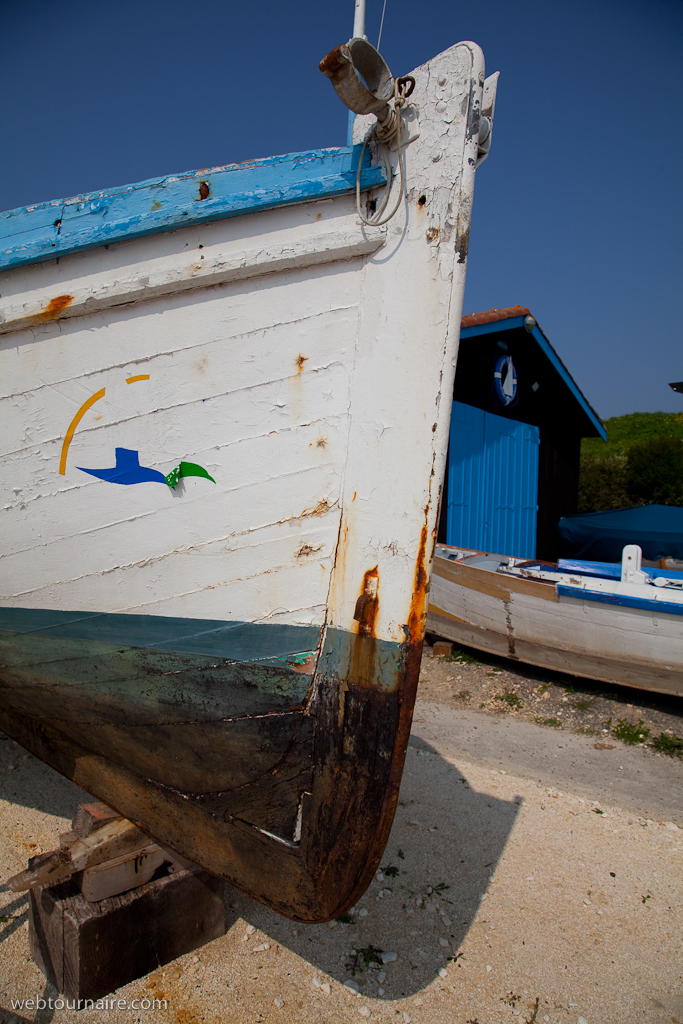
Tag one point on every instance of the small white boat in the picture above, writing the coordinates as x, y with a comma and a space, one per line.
616, 623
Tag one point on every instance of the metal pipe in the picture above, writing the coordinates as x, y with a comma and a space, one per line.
359, 19
358, 30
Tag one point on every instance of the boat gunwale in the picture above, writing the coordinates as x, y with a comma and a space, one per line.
55, 228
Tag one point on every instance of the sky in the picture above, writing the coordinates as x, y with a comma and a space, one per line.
578, 210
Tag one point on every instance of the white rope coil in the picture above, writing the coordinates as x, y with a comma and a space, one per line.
384, 131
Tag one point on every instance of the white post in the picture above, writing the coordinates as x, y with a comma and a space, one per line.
631, 572
359, 19
358, 30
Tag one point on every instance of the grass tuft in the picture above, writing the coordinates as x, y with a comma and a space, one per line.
509, 697
629, 732
671, 745
461, 657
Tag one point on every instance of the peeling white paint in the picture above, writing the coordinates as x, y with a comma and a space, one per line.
296, 355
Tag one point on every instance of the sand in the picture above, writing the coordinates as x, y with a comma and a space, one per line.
519, 886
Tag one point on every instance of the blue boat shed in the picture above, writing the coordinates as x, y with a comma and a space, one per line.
516, 426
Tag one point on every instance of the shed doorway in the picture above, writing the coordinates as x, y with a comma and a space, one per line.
492, 483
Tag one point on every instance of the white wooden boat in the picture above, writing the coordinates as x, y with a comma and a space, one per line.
225, 409
616, 623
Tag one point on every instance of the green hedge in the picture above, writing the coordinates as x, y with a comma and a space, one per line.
640, 464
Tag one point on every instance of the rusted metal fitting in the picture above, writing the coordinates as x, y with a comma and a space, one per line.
406, 85
360, 76
367, 604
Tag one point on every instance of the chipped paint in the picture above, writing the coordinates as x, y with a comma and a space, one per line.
285, 364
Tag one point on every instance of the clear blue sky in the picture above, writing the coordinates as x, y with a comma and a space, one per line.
578, 211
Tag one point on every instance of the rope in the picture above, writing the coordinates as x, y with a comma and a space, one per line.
381, 25
384, 131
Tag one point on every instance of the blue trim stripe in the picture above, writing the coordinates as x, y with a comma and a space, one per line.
498, 325
566, 376
539, 337
661, 607
32, 234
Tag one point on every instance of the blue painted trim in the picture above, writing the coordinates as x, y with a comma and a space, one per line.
620, 599
32, 234
539, 337
612, 570
566, 376
500, 325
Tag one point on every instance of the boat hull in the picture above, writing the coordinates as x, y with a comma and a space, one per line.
226, 411
291, 799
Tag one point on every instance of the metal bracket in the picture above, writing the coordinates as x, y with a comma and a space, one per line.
488, 106
360, 76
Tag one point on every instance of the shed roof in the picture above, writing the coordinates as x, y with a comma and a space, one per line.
493, 316
520, 319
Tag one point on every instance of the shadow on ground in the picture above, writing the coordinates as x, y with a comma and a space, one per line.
445, 843
21, 784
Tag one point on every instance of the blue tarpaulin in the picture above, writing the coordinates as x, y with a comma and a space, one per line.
601, 536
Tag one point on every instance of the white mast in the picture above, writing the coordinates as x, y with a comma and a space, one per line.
359, 19
358, 30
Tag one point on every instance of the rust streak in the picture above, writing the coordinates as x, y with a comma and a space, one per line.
367, 604
409, 670
335, 63
53, 309
300, 360
418, 605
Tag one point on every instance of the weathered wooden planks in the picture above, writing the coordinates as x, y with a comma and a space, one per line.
87, 950
316, 397
342, 778
61, 227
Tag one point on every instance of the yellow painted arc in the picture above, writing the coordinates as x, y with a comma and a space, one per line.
72, 427
140, 376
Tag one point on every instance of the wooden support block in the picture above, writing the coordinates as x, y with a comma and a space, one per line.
122, 873
442, 649
89, 817
114, 839
87, 950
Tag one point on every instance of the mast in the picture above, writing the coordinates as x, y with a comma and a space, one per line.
358, 30
359, 19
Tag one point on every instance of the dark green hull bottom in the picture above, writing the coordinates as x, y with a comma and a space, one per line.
283, 783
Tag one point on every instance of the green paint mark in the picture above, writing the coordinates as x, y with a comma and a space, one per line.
299, 659
187, 469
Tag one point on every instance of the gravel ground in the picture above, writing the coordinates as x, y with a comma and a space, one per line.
505, 896
472, 679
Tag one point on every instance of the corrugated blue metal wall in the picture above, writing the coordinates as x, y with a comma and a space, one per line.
492, 483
